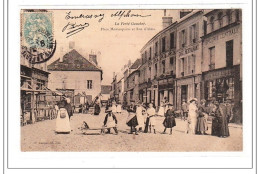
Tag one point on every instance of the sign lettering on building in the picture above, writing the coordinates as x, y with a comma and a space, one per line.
221, 35
188, 50
219, 74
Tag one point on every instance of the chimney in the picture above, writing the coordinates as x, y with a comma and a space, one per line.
167, 20
61, 54
71, 45
93, 59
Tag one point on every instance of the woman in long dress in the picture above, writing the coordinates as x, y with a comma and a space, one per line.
140, 116
221, 114
169, 121
192, 116
201, 127
131, 120
62, 121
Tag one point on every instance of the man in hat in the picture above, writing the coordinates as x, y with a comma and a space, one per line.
110, 121
132, 119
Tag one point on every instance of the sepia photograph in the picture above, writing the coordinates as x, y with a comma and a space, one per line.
131, 80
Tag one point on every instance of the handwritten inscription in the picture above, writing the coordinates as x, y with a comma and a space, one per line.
74, 26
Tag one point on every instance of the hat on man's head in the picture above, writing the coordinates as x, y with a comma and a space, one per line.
193, 99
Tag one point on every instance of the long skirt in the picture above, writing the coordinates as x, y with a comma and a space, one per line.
169, 122
146, 125
193, 124
224, 131
62, 121
201, 125
140, 120
132, 122
215, 127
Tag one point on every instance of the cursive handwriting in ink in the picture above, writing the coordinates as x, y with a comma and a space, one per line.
100, 16
73, 28
123, 13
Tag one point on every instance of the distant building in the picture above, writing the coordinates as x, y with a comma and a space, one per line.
132, 81
105, 93
73, 72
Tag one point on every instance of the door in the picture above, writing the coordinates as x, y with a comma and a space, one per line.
229, 53
184, 93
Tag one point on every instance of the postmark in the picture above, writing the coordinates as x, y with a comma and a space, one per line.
37, 39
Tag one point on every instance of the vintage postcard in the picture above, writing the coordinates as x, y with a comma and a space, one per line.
133, 80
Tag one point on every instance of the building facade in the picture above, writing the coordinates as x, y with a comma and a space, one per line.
76, 74
190, 29
222, 58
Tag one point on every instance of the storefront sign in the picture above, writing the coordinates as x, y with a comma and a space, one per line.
185, 81
221, 73
214, 38
188, 50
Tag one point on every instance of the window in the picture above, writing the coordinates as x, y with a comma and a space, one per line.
193, 33
163, 66
150, 53
212, 23
156, 49
89, 84
182, 66
212, 58
220, 19
172, 41
182, 38
150, 72
155, 67
171, 60
229, 53
229, 16
163, 44
191, 64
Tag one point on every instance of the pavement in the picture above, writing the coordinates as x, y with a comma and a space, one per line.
41, 136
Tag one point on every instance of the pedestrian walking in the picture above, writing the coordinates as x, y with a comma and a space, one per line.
151, 122
110, 121
192, 115
202, 126
184, 110
140, 116
169, 121
69, 108
132, 119
119, 108
62, 121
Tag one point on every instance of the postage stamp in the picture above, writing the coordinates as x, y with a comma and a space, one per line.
37, 41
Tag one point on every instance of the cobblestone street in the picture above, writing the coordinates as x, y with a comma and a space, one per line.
41, 137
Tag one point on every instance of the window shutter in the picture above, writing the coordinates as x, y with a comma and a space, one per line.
193, 63
191, 35
180, 39
197, 31
185, 66
185, 36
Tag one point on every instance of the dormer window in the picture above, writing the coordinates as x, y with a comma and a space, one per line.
212, 23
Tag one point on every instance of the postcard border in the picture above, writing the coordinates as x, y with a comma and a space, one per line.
7, 75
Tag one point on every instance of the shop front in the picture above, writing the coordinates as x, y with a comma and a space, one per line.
188, 88
222, 85
166, 90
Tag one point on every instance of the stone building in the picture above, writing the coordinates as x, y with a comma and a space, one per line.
132, 82
73, 72
222, 58
190, 29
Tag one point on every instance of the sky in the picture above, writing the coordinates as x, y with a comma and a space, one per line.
114, 47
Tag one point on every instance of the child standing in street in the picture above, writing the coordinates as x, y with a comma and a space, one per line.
110, 121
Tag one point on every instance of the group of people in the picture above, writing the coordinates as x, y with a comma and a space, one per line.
142, 119
197, 114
